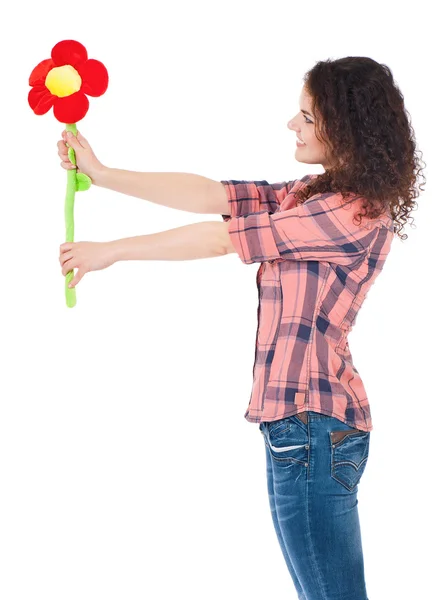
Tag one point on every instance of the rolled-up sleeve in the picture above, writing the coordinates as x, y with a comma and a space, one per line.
321, 229
245, 197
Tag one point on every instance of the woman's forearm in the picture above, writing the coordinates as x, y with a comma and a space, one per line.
197, 240
184, 191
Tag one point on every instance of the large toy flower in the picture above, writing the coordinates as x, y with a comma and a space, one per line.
63, 81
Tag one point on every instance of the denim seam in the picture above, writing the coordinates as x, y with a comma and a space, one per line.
311, 548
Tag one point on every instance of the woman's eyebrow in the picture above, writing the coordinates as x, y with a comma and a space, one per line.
307, 113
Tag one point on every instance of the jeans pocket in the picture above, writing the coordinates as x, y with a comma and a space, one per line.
287, 441
274, 426
349, 456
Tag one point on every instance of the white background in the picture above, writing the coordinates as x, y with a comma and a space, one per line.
127, 469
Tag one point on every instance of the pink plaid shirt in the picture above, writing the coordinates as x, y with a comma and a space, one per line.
316, 269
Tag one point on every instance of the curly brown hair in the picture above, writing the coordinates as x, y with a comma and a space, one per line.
369, 140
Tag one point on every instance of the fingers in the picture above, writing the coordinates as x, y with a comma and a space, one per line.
64, 257
83, 141
66, 260
67, 165
77, 277
75, 141
70, 261
63, 154
67, 267
72, 140
70, 266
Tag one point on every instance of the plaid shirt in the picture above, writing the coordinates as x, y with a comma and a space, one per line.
316, 269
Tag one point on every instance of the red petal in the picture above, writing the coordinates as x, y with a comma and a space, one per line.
94, 76
40, 72
71, 109
40, 100
69, 52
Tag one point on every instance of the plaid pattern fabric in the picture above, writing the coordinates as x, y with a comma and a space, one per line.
316, 267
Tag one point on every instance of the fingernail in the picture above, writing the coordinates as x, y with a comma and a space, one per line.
69, 134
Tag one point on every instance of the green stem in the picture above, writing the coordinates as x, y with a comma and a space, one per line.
70, 293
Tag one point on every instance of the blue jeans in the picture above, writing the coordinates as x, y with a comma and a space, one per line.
313, 470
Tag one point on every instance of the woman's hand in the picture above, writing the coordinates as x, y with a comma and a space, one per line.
86, 160
85, 256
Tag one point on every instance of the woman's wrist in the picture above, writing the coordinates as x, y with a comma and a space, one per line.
116, 250
99, 176
131, 248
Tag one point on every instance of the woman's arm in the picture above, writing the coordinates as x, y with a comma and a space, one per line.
198, 240
189, 242
184, 191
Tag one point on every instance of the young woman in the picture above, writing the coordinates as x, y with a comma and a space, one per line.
321, 241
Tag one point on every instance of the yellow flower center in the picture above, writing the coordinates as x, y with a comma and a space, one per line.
63, 81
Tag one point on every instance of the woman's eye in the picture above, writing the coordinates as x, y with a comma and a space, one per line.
307, 120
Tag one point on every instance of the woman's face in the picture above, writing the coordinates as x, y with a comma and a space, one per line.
313, 151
